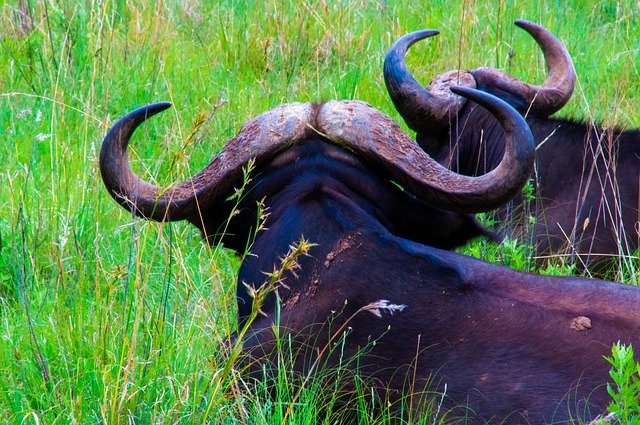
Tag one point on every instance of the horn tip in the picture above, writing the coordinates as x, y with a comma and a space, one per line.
425, 33
431, 31
462, 91
522, 22
527, 25
409, 39
158, 107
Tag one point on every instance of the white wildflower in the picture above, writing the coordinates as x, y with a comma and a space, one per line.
251, 290
41, 137
39, 115
376, 308
23, 113
93, 155
63, 237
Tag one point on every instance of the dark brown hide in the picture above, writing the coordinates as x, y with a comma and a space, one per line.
502, 341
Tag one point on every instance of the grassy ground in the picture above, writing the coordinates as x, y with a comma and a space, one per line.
107, 319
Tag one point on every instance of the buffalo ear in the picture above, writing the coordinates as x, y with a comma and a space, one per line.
458, 231
440, 228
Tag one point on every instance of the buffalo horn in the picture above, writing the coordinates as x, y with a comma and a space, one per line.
352, 124
422, 110
547, 98
430, 110
260, 137
378, 138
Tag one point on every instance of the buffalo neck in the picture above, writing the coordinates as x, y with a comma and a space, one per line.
474, 144
321, 195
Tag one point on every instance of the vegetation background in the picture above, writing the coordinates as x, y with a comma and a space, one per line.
106, 319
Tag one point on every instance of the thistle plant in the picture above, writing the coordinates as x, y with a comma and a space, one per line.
625, 392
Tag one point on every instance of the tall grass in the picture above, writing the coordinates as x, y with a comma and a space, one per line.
114, 320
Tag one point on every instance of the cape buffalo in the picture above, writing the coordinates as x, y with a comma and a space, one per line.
508, 345
586, 176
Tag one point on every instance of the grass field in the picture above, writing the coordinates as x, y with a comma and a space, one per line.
112, 320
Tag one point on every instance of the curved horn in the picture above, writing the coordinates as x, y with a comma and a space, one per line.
378, 138
422, 110
547, 98
354, 125
122, 183
260, 137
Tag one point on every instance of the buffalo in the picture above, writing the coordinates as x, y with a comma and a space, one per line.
377, 216
585, 185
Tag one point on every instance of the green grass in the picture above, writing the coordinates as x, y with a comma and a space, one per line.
105, 319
